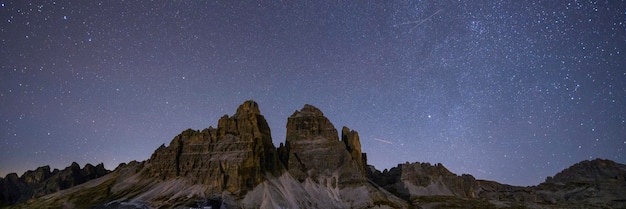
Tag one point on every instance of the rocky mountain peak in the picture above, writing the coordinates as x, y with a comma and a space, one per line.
310, 123
248, 108
594, 183
590, 170
410, 180
308, 111
36, 176
248, 120
313, 149
74, 166
42, 181
353, 144
234, 157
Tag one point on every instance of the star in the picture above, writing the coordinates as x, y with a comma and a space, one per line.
457, 83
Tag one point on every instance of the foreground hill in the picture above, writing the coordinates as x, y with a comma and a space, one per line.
236, 166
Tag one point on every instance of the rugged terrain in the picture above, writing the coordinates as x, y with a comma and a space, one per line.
42, 181
236, 166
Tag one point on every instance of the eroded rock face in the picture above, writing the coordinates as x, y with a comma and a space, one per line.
353, 144
411, 180
38, 175
312, 149
233, 157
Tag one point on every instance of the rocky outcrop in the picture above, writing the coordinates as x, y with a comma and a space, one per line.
590, 170
412, 180
313, 150
41, 181
506, 194
323, 171
39, 175
592, 184
233, 157
236, 164
353, 144
434, 186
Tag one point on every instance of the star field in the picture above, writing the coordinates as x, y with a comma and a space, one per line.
511, 91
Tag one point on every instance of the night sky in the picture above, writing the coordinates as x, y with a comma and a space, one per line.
511, 91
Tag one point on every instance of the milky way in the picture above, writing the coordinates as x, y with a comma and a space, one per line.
512, 91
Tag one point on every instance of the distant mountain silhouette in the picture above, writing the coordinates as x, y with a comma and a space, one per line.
42, 181
236, 166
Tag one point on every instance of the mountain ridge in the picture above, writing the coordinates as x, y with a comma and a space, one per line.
42, 181
236, 165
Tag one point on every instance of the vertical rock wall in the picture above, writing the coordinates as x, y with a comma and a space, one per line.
313, 149
233, 157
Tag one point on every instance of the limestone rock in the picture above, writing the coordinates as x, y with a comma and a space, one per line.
353, 144
412, 180
312, 149
310, 123
233, 157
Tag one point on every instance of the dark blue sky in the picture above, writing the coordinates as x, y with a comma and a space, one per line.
511, 91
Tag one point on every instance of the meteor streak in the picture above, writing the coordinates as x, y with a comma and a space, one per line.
382, 140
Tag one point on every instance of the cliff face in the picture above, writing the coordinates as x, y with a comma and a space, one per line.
233, 157
237, 165
322, 171
313, 149
353, 144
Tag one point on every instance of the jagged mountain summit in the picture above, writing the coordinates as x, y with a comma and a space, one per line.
42, 181
234, 157
236, 166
